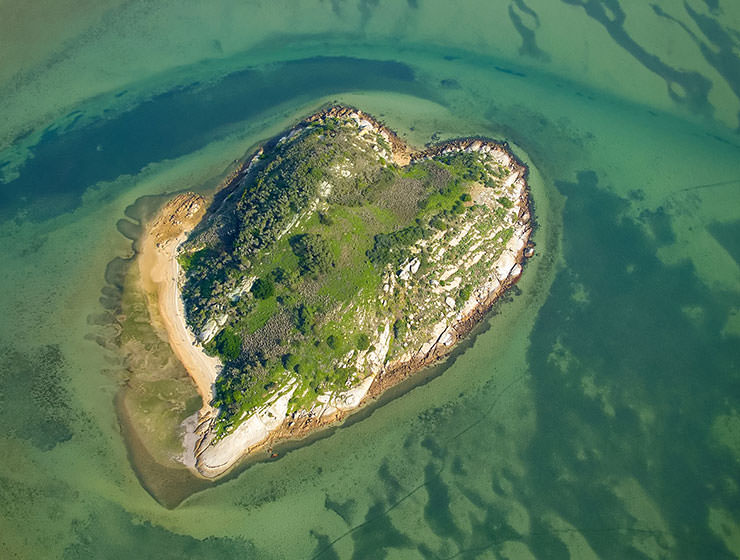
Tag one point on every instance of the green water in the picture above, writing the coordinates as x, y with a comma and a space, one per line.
596, 414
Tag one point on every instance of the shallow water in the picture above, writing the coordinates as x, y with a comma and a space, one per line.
596, 414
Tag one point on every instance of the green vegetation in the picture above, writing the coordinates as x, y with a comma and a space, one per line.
313, 253
464, 295
263, 288
321, 222
386, 246
304, 318
505, 202
227, 344
333, 342
195, 259
363, 341
399, 329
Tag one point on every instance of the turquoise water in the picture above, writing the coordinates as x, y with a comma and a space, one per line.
595, 414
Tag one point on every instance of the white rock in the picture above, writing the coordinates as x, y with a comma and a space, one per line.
243, 287
352, 397
504, 265
474, 259
510, 180
463, 232
447, 273
425, 348
376, 358
212, 327
253, 431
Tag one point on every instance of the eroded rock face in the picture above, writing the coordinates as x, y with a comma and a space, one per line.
364, 261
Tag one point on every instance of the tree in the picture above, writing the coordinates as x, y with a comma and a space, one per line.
279, 275
385, 244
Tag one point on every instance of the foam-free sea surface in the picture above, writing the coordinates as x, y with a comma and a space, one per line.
595, 414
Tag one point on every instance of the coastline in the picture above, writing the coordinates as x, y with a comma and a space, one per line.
160, 273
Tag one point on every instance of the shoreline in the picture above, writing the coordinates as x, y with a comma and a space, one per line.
160, 274
269, 424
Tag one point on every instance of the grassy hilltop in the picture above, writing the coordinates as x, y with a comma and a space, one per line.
329, 255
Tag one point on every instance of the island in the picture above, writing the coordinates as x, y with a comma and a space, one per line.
335, 262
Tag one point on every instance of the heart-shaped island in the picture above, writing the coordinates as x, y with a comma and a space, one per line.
335, 262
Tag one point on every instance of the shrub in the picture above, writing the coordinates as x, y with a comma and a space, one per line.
363, 341
303, 318
263, 288
228, 344
313, 253
385, 243
340, 376
196, 259
290, 362
334, 342
287, 300
464, 294
437, 222
399, 329
505, 202
465, 197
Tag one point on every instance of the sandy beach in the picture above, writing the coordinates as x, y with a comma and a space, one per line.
160, 272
